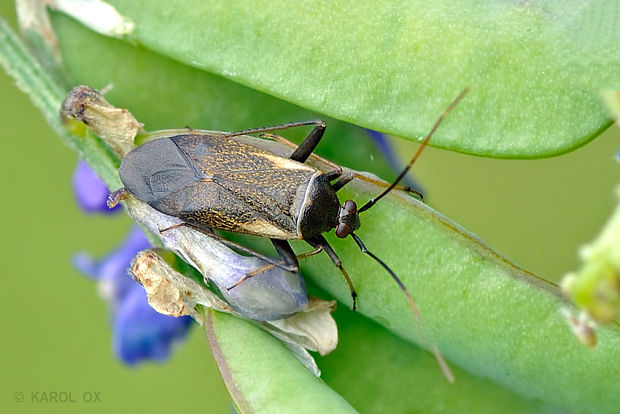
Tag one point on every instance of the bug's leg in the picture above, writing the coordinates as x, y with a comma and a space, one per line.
236, 246
332, 175
307, 146
316, 122
116, 197
190, 130
271, 260
286, 253
337, 167
320, 242
294, 146
309, 143
350, 176
316, 250
176, 226
271, 266
343, 181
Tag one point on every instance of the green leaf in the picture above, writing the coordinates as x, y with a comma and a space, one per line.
258, 371
535, 68
30, 77
378, 372
262, 375
164, 94
487, 316
47, 96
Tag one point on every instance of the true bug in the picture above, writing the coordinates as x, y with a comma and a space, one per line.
221, 181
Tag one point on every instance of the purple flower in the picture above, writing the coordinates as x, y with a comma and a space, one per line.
111, 271
139, 332
90, 192
142, 333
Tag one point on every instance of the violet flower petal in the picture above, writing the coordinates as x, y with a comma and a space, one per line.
141, 333
90, 192
111, 271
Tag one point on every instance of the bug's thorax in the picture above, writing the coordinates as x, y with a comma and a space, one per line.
319, 208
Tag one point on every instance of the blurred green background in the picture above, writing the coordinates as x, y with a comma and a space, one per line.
57, 336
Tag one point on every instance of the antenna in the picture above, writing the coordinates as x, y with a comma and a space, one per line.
414, 308
445, 368
445, 113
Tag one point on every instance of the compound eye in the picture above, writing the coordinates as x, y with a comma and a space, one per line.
350, 206
342, 230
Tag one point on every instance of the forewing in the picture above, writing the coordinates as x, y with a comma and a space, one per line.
249, 190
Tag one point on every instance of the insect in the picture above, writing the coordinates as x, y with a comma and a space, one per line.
221, 181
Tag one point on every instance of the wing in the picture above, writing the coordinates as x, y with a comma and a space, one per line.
218, 154
242, 188
207, 205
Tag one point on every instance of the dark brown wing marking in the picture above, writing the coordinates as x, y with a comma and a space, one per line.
248, 191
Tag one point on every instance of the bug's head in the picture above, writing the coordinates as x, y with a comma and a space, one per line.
348, 219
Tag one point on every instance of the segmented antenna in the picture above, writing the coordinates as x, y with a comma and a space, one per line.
443, 365
414, 308
445, 113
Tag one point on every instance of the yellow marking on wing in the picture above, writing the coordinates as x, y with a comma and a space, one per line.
207, 172
267, 229
286, 163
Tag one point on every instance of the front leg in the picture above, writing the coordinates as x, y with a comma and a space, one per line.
286, 253
320, 242
271, 266
305, 149
308, 145
288, 265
